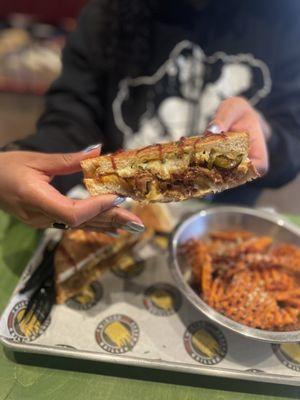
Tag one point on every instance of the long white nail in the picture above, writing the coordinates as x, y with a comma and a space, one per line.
92, 147
119, 200
214, 128
133, 227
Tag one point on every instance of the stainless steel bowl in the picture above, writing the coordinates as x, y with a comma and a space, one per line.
258, 221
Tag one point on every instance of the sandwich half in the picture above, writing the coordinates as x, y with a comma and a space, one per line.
82, 257
175, 171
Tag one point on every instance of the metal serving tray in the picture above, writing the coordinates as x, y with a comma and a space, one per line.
138, 317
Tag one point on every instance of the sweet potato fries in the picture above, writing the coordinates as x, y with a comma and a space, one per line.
248, 278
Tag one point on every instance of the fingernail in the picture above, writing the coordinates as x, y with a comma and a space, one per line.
214, 128
119, 200
112, 234
59, 225
92, 147
133, 227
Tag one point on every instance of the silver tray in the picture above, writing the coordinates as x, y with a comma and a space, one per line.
141, 319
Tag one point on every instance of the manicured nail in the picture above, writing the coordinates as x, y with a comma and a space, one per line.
92, 147
119, 200
59, 225
214, 128
112, 234
133, 227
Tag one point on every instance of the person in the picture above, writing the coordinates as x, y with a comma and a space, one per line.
137, 72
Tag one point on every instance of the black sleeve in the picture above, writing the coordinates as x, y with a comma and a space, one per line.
74, 110
282, 109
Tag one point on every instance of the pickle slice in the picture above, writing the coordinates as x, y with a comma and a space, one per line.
225, 162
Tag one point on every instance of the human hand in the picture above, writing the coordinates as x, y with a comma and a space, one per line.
236, 114
27, 193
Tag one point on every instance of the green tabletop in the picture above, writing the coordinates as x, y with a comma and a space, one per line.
39, 377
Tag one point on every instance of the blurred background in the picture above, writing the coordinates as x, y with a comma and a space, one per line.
32, 35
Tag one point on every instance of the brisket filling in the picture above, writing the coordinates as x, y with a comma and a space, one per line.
187, 183
218, 169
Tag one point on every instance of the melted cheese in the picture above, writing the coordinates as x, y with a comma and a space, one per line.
244, 165
162, 169
154, 193
202, 157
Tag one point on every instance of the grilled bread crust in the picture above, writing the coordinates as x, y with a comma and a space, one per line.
175, 171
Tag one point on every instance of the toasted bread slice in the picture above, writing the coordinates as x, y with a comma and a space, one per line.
82, 257
190, 167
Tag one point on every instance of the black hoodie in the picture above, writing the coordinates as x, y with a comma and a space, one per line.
197, 58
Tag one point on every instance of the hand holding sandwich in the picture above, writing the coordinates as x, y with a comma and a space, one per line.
25, 177
237, 115
232, 154
26, 192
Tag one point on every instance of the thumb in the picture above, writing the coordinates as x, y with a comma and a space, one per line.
228, 112
59, 208
66, 163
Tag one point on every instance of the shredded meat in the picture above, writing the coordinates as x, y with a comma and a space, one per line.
187, 182
141, 182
